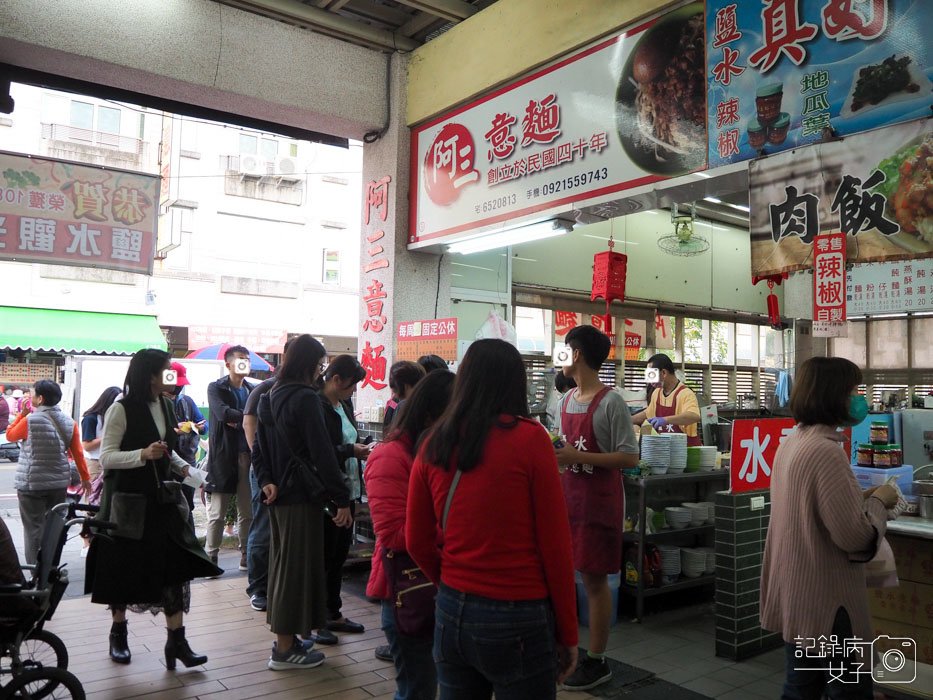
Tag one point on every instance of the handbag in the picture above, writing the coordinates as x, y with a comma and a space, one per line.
409, 587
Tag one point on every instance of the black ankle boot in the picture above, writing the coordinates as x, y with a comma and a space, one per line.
119, 648
176, 647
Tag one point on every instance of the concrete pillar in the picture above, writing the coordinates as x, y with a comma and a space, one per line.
395, 284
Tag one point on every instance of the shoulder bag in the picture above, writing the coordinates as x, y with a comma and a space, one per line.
410, 588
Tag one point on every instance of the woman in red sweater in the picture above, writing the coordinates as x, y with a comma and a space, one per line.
506, 613
387, 473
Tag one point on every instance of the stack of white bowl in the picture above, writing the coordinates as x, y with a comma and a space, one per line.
677, 518
698, 513
656, 452
670, 562
711, 511
693, 562
710, 560
707, 458
678, 452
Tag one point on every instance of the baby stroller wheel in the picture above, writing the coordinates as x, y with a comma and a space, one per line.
43, 682
42, 649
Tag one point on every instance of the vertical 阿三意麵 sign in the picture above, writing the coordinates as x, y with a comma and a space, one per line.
375, 267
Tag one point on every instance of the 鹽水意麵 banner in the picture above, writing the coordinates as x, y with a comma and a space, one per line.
627, 112
63, 213
786, 73
875, 188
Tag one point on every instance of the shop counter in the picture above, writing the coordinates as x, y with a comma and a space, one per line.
906, 611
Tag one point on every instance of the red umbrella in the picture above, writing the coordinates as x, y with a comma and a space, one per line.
216, 352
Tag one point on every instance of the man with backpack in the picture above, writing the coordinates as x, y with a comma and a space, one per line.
43, 474
599, 441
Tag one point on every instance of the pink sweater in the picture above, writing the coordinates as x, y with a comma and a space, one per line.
822, 529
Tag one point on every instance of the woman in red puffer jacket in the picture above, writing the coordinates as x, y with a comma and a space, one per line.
386, 475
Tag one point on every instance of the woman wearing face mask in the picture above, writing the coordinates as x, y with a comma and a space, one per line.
823, 528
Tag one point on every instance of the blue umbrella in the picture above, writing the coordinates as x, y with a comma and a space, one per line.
216, 352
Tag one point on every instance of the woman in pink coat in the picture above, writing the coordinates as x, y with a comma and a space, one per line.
387, 471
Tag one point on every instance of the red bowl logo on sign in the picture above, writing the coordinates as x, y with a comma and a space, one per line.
449, 164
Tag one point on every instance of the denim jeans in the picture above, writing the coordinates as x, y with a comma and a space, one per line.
257, 544
416, 678
483, 646
805, 679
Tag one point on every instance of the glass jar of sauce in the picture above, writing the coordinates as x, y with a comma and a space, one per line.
882, 457
865, 455
879, 433
897, 455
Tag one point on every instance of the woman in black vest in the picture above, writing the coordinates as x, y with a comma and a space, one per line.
152, 573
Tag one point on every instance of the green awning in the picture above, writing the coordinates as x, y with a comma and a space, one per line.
53, 330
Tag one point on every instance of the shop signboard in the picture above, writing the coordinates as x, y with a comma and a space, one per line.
260, 340
829, 285
754, 446
872, 187
884, 288
376, 269
627, 112
431, 337
62, 213
783, 73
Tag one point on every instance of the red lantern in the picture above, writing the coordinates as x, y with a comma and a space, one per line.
609, 271
774, 307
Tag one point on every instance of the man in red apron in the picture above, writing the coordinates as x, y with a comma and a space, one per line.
599, 442
673, 407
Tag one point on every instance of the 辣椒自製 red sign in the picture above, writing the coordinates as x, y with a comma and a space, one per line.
829, 284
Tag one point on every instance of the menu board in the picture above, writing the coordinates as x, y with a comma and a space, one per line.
890, 287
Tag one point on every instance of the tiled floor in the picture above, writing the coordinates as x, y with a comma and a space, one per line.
675, 645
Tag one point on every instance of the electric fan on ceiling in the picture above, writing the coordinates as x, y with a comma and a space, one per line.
683, 241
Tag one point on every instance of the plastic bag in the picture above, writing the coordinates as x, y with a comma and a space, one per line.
497, 327
881, 571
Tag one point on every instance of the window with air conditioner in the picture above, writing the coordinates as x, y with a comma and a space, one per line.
269, 149
249, 144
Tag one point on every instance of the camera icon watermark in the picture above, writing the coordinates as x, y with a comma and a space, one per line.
886, 659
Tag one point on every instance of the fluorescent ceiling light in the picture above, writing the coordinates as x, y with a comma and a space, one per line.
518, 257
889, 316
650, 211
475, 267
513, 236
703, 175
713, 200
606, 240
740, 207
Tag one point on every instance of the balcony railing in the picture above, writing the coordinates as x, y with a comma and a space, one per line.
97, 139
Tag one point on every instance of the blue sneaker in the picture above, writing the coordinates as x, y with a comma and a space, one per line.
295, 658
